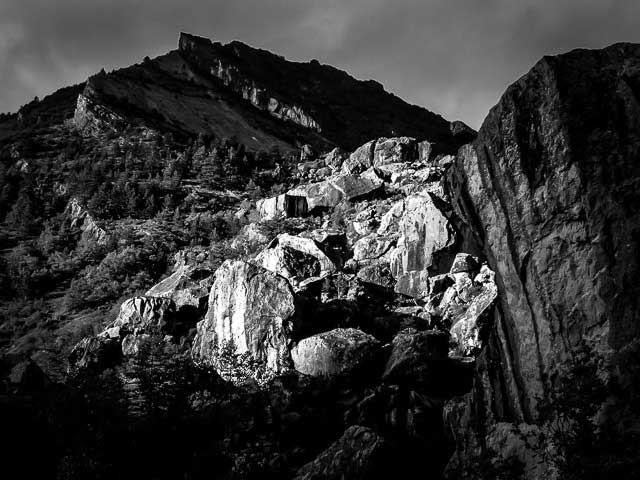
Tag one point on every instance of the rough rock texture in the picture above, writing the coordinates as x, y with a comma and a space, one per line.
145, 313
188, 285
383, 151
424, 230
295, 258
339, 351
412, 355
82, 219
95, 353
551, 189
359, 454
251, 310
329, 193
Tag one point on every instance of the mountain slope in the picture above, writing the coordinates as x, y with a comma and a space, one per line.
261, 99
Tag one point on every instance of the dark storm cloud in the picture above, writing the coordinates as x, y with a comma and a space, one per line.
454, 57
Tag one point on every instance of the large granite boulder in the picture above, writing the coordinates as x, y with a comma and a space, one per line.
331, 192
360, 454
424, 230
295, 258
339, 351
550, 187
382, 151
251, 312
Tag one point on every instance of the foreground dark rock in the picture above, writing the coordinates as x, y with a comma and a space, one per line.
550, 189
359, 454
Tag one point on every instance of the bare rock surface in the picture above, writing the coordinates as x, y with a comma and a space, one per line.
550, 189
251, 311
336, 352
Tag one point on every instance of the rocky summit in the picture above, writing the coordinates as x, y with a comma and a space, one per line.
218, 263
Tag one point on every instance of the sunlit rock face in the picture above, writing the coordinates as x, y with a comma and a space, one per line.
251, 311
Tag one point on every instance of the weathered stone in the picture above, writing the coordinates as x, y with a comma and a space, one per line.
373, 248
146, 313
550, 189
188, 285
466, 329
464, 263
251, 311
361, 159
335, 158
377, 274
295, 258
425, 150
133, 344
355, 187
271, 208
413, 284
424, 230
339, 351
360, 454
412, 354
394, 150
95, 353
82, 219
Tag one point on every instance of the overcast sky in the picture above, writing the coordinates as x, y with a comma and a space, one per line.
454, 57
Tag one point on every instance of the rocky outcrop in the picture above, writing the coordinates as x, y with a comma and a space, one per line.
145, 314
189, 284
92, 118
295, 258
331, 192
337, 352
550, 189
424, 231
251, 312
82, 219
359, 454
316, 97
380, 152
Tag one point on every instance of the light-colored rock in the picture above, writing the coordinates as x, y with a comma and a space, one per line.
82, 219
335, 158
251, 311
373, 249
188, 285
464, 263
339, 351
295, 258
413, 284
361, 159
133, 344
425, 150
424, 230
271, 208
394, 150
145, 313
466, 327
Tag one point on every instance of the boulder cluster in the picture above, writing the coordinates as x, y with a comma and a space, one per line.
379, 291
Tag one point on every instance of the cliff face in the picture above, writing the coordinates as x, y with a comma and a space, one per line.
550, 189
